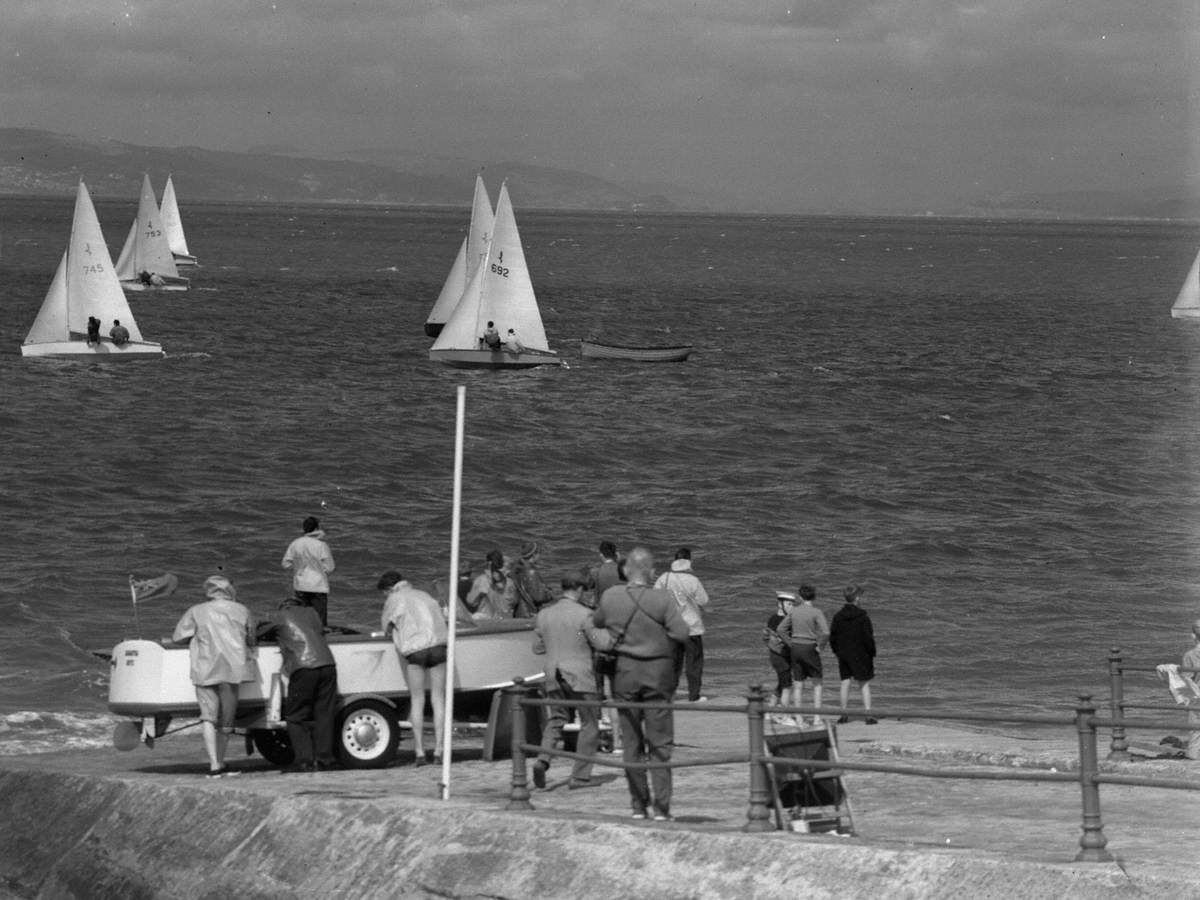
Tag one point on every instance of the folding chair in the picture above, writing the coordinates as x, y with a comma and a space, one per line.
813, 800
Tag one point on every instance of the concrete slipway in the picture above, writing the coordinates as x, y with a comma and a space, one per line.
147, 824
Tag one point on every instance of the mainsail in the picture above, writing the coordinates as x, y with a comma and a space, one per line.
1187, 304
471, 253
146, 260
173, 225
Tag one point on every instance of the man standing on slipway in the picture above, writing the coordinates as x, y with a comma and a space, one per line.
310, 560
691, 596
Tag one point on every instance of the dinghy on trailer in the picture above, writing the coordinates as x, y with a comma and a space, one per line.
85, 286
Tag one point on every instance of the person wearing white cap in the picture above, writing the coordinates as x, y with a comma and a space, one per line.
777, 648
220, 635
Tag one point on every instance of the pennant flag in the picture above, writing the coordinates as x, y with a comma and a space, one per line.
144, 589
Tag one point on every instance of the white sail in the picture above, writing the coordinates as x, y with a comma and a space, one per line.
1187, 304
85, 285
500, 291
146, 261
171, 222
471, 254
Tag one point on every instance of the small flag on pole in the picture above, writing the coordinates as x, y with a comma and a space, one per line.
143, 589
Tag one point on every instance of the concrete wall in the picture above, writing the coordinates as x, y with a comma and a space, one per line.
68, 836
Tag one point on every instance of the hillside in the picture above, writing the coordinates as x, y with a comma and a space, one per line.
34, 162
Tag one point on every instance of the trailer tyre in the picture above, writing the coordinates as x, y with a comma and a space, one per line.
368, 733
274, 745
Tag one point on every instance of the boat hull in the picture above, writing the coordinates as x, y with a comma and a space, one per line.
105, 351
494, 359
595, 350
1188, 312
150, 680
184, 260
170, 283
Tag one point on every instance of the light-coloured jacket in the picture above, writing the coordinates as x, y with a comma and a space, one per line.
220, 635
309, 558
565, 633
414, 619
689, 593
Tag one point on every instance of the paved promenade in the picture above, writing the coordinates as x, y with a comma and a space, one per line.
916, 837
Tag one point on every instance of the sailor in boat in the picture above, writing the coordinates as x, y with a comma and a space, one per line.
93, 332
119, 333
513, 343
491, 337
151, 278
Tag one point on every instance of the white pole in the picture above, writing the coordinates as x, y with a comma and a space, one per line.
452, 594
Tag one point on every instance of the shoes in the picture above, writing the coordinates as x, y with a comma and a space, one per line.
639, 814
872, 721
842, 720
215, 773
700, 700
223, 772
420, 760
539, 774
581, 783
663, 816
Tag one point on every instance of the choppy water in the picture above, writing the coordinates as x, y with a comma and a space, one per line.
989, 425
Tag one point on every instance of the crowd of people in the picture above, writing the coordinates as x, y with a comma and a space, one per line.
611, 630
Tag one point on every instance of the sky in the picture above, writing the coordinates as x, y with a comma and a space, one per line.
812, 105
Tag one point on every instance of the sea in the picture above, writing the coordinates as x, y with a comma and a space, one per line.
989, 425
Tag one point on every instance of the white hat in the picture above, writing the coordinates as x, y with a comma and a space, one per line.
782, 596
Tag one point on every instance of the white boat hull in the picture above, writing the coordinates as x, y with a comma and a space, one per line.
597, 350
169, 284
184, 260
105, 351
494, 359
1189, 312
149, 680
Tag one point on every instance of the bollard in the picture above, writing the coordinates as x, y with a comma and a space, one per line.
1092, 841
1119, 748
758, 813
518, 796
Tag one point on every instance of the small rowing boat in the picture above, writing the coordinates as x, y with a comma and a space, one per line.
597, 350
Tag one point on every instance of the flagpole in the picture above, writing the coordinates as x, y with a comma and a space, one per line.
452, 599
137, 622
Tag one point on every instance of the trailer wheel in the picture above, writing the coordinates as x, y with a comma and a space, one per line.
368, 733
274, 745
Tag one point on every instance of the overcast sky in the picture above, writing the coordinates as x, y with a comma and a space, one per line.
912, 104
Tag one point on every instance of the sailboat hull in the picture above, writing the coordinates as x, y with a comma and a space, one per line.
183, 260
1188, 312
494, 359
169, 284
105, 351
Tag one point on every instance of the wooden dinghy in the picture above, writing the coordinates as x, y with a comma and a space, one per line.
598, 350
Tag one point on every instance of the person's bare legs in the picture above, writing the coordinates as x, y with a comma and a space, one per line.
214, 746
415, 676
816, 690
437, 698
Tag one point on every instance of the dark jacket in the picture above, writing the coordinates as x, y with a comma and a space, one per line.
851, 636
301, 639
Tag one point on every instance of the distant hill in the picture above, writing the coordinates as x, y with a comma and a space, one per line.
1162, 203
42, 162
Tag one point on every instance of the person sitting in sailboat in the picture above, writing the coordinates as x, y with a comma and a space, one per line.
119, 333
513, 344
93, 332
491, 337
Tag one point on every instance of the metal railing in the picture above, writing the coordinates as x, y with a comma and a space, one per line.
1117, 667
1084, 721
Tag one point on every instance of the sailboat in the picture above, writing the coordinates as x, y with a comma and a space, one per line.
85, 286
146, 262
471, 253
1187, 304
173, 226
498, 292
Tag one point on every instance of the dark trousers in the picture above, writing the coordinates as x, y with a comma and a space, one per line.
690, 664
588, 742
318, 601
309, 709
647, 735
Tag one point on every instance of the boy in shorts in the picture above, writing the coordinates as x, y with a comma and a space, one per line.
806, 632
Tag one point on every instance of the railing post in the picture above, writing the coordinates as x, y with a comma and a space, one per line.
1092, 841
1119, 748
518, 796
758, 813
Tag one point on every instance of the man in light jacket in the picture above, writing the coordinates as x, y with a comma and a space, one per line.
565, 633
691, 597
310, 560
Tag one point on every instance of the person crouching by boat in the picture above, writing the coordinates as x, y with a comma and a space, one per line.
566, 635
648, 629
311, 702
311, 561
220, 638
490, 596
414, 621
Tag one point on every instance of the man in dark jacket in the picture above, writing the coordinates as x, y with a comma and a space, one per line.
853, 643
648, 629
311, 701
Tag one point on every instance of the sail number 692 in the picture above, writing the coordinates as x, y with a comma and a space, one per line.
502, 271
